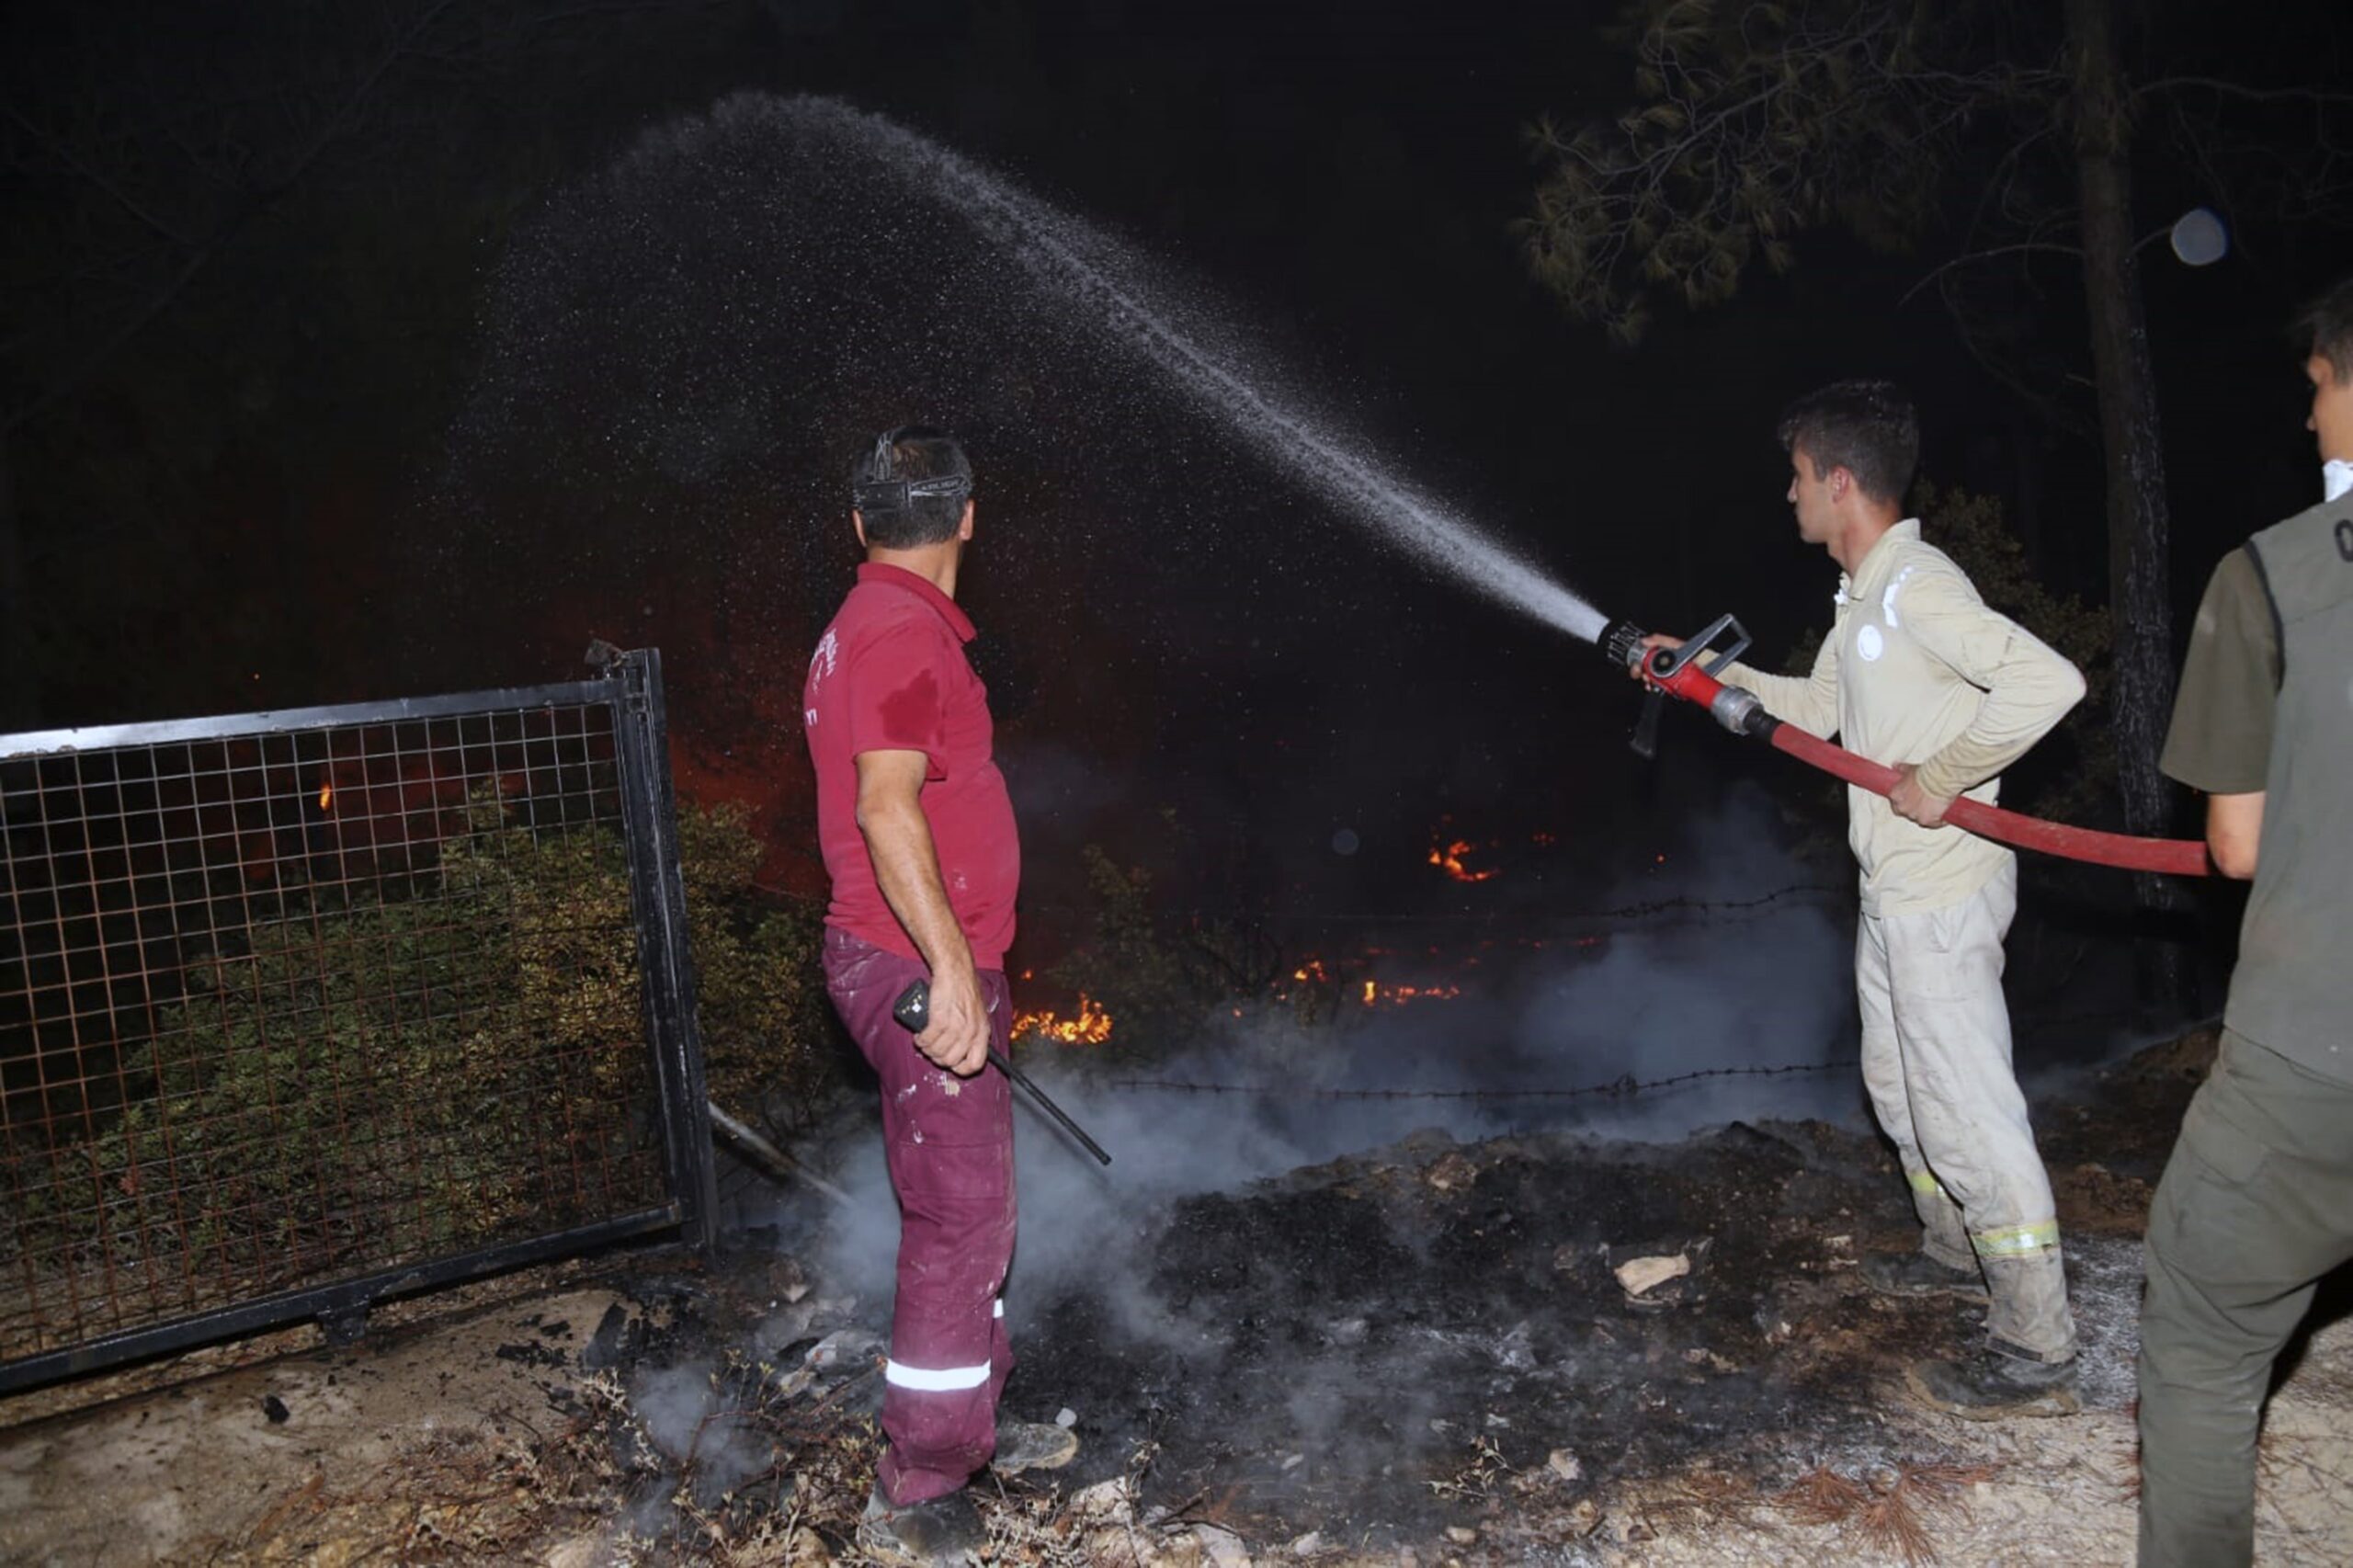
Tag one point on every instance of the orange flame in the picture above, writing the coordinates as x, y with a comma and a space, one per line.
1089, 1026
1448, 859
326, 794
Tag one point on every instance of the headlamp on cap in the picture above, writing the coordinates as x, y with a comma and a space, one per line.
884, 493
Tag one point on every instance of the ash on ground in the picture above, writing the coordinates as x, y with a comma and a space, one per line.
1538, 1348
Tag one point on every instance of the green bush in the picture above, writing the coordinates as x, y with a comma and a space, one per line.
759, 992
1159, 973
399, 1076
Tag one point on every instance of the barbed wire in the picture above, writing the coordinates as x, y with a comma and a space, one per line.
1624, 1087
1681, 903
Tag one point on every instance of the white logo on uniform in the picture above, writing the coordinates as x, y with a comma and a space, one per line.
821, 664
1887, 599
1870, 644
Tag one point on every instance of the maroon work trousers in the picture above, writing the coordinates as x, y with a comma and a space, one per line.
949, 1141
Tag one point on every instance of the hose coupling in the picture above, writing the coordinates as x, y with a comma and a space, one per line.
1740, 712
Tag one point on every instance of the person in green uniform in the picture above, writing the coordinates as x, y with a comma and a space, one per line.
2256, 1203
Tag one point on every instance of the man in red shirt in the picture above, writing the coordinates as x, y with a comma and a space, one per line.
920, 841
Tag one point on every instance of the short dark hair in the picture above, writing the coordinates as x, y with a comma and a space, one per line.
2326, 329
911, 486
1866, 428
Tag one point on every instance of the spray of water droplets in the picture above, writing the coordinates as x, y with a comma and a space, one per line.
1110, 282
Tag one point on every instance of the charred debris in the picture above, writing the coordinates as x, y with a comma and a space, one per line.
1494, 1348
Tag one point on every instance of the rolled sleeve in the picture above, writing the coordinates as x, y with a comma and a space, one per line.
2028, 685
2220, 740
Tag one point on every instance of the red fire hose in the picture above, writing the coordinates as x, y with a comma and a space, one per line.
1678, 671
2182, 857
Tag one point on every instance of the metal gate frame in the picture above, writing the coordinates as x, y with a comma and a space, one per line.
632, 688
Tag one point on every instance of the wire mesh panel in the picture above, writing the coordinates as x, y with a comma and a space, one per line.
342, 999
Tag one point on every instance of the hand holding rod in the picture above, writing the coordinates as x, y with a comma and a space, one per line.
913, 1010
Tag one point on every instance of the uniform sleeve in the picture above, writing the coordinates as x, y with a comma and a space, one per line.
2220, 740
2028, 685
894, 694
1810, 702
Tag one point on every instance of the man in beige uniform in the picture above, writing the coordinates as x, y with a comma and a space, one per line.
1918, 673
2256, 1203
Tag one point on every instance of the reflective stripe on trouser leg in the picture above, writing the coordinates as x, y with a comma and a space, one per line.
949, 1144
944, 1379
2016, 1240
1952, 1038
1942, 1235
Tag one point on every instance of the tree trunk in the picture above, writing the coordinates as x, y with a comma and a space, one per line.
19, 669
2140, 594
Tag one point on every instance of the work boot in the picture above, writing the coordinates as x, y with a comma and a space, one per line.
1033, 1445
1995, 1382
1917, 1274
944, 1532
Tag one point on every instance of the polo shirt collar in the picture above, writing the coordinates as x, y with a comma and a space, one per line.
1876, 558
923, 588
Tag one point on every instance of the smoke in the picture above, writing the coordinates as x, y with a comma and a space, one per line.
1685, 992
684, 1417
1052, 782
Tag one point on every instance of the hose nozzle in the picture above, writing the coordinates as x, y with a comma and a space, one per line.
1688, 672
1621, 644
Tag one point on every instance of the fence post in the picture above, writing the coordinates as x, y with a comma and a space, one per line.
665, 959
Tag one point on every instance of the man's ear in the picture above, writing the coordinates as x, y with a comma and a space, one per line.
857, 522
964, 529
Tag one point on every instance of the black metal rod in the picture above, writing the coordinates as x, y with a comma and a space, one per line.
658, 899
766, 1155
320, 1301
1005, 1066
913, 1010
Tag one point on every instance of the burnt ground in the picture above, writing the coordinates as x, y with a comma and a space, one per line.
1362, 1333
1421, 1353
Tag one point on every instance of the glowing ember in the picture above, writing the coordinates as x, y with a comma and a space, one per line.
1378, 995
326, 794
1449, 859
1315, 984
1089, 1026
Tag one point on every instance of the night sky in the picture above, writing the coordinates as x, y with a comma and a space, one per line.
266, 446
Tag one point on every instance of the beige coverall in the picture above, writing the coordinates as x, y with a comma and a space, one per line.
1916, 669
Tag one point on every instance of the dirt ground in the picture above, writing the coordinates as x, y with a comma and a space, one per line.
1421, 1355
